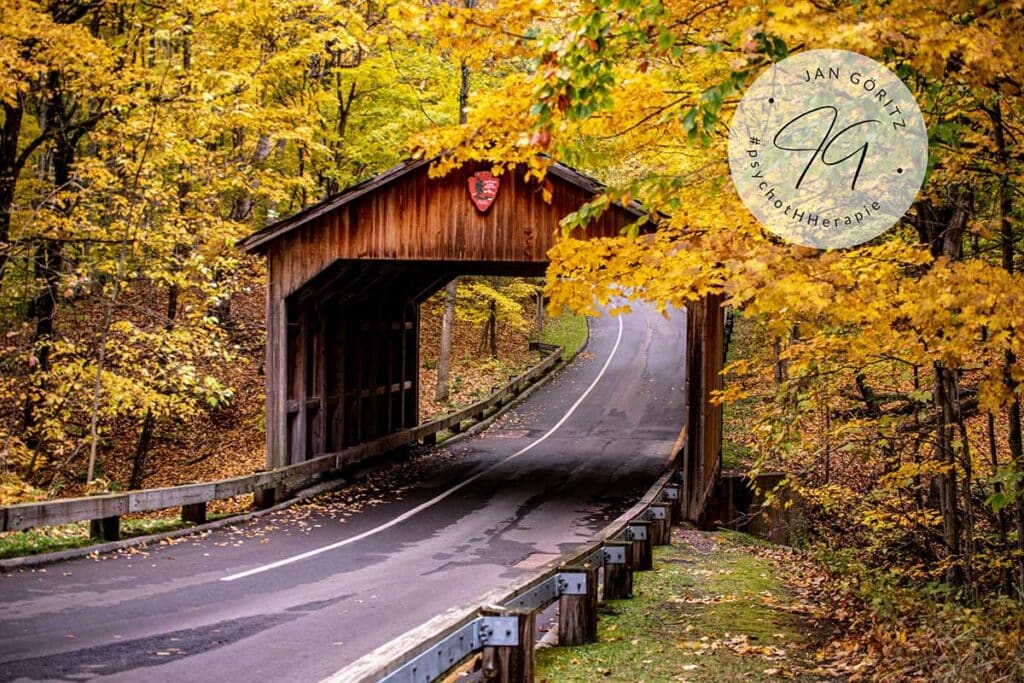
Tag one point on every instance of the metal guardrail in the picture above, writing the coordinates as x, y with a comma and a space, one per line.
456, 646
485, 631
111, 506
433, 650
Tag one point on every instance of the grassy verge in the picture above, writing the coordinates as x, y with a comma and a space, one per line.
567, 330
709, 612
68, 536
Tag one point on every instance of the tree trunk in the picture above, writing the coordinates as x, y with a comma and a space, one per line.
141, 451
947, 407
47, 261
943, 228
779, 369
444, 360
1013, 416
464, 73
9, 171
138, 475
968, 467
540, 315
492, 329
1002, 524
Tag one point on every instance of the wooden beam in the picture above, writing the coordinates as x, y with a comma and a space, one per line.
320, 351
106, 529
276, 373
379, 391
193, 513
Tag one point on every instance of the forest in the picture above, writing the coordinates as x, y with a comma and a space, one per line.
141, 140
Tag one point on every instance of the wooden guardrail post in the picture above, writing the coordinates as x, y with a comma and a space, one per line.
107, 528
672, 496
669, 520
193, 513
577, 609
661, 532
643, 556
510, 663
618, 571
268, 496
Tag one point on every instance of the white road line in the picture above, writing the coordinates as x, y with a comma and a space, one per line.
441, 496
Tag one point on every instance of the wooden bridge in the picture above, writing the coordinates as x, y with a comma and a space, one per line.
346, 277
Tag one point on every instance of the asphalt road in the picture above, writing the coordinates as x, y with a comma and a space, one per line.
300, 593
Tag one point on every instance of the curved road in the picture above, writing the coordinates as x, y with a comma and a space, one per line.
298, 594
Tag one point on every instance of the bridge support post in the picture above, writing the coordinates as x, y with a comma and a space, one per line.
511, 663
705, 355
107, 528
618, 576
642, 553
577, 614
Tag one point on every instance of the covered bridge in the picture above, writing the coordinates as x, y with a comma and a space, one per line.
346, 277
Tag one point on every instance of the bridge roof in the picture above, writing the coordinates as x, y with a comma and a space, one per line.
260, 241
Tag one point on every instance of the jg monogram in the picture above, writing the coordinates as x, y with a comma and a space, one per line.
828, 149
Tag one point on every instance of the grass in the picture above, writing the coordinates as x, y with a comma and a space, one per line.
567, 330
739, 415
68, 536
706, 613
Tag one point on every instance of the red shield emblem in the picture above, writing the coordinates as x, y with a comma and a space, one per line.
483, 188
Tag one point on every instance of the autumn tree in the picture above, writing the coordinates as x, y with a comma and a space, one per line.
909, 344
138, 143
486, 302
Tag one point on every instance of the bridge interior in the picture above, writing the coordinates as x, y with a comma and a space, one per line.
353, 349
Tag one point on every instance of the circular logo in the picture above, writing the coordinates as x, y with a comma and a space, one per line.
828, 149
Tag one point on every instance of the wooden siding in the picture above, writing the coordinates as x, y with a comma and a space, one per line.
417, 218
